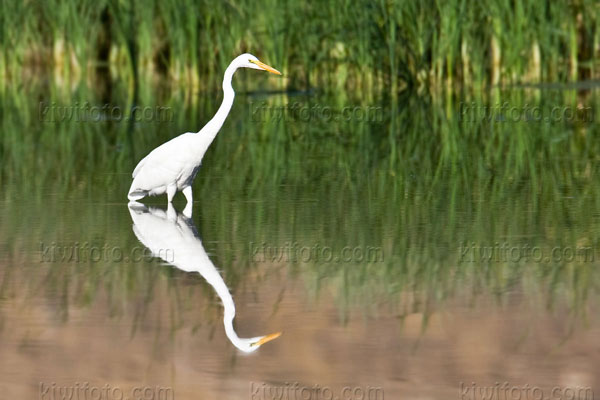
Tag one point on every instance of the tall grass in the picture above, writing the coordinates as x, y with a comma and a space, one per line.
361, 44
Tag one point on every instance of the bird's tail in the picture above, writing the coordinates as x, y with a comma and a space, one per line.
137, 194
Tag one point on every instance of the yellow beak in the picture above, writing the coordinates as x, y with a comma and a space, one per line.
267, 338
265, 67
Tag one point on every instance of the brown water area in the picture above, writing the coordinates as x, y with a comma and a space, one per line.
152, 342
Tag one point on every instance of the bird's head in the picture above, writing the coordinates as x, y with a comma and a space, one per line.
249, 61
249, 345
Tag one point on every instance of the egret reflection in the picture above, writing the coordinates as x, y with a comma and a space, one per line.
173, 237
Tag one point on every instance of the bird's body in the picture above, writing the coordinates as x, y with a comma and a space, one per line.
172, 166
167, 168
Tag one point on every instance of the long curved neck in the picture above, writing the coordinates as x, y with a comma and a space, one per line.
215, 279
214, 125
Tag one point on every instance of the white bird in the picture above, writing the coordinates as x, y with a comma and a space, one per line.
174, 238
172, 166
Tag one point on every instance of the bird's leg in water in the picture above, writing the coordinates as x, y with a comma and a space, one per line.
171, 213
187, 192
171, 190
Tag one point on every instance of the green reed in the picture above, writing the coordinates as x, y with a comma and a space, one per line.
360, 44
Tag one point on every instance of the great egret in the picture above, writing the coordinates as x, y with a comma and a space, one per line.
173, 165
173, 237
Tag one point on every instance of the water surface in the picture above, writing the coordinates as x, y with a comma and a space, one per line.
416, 253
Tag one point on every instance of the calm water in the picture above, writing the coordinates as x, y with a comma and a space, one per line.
423, 251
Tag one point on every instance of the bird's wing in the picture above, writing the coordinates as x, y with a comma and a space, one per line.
164, 164
172, 148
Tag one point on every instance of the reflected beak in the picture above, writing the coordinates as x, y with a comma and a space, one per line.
266, 67
266, 339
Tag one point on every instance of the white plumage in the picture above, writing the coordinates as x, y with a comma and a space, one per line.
172, 166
